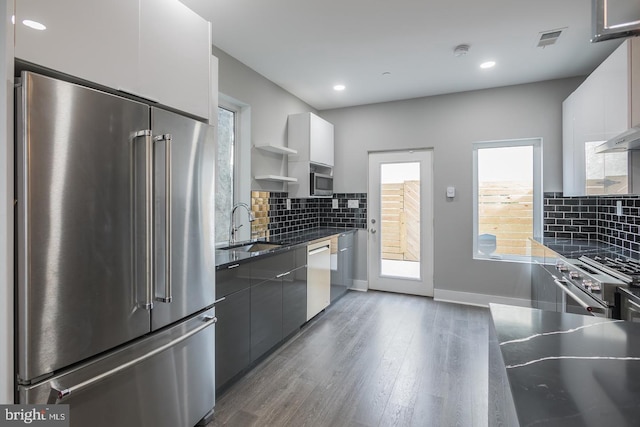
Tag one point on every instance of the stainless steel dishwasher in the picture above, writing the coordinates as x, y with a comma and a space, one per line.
318, 277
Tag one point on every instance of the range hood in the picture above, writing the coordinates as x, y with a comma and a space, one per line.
626, 141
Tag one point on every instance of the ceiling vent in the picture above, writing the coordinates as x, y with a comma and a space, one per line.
548, 38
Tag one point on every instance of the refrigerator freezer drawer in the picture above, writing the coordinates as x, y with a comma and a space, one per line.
165, 380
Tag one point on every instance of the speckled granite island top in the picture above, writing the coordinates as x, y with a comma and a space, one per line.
569, 370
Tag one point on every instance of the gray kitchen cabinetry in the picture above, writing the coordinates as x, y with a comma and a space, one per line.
294, 295
545, 293
342, 274
266, 301
233, 330
266, 316
260, 303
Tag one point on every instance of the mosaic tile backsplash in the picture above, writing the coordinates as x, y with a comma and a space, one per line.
593, 218
273, 218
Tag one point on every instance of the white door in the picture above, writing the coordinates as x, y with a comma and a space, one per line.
400, 221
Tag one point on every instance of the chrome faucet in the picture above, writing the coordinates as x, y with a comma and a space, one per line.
232, 226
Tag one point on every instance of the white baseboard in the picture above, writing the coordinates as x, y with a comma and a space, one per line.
480, 300
360, 285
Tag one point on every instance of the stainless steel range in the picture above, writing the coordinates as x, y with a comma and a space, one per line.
589, 287
625, 269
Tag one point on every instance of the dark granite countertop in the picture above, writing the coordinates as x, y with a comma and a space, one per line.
287, 241
569, 370
573, 248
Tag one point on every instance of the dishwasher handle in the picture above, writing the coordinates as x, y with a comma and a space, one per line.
319, 250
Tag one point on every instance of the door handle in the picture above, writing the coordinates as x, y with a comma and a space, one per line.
167, 138
147, 304
317, 251
573, 296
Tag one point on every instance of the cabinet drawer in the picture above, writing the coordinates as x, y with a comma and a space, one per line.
269, 267
232, 279
346, 240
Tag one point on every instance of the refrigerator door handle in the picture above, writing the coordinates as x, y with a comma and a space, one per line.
148, 215
58, 393
167, 138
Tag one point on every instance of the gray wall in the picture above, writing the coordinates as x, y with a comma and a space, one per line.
450, 124
270, 105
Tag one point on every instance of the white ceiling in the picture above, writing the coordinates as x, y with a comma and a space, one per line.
307, 46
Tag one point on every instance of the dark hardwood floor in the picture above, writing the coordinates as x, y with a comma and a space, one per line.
372, 359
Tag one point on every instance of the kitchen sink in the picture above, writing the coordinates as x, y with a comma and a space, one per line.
252, 247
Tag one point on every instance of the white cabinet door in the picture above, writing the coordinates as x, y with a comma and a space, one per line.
320, 141
93, 40
613, 75
569, 185
175, 49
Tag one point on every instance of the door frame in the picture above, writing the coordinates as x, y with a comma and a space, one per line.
424, 285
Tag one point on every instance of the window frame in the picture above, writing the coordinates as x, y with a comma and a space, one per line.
536, 144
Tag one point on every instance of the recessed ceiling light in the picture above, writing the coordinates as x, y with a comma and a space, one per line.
339, 87
488, 64
33, 24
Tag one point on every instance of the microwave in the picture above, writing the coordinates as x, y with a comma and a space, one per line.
320, 184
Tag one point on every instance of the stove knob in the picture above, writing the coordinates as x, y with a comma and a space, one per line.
595, 287
587, 284
574, 275
561, 266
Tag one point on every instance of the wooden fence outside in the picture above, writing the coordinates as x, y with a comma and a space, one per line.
400, 225
506, 211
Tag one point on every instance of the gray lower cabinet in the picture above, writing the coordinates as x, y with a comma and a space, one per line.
545, 294
342, 275
260, 302
233, 336
233, 329
294, 300
266, 316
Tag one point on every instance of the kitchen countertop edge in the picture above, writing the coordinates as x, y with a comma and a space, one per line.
290, 241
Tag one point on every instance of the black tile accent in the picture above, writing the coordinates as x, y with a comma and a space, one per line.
593, 218
312, 213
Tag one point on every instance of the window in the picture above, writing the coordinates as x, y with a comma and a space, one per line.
507, 198
225, 171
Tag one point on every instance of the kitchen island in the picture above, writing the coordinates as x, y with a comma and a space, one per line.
561, 369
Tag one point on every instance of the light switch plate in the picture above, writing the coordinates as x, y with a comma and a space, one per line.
288, 204
451, 192
353, 204
334, 203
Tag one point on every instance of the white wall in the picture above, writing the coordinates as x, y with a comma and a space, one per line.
450, 124
270, 105
6, 203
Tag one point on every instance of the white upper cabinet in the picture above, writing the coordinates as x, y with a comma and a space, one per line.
605, 105
175, 47
312, 137
155, 49
92, 40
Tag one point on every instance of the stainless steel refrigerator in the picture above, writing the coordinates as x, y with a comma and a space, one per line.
115, 257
